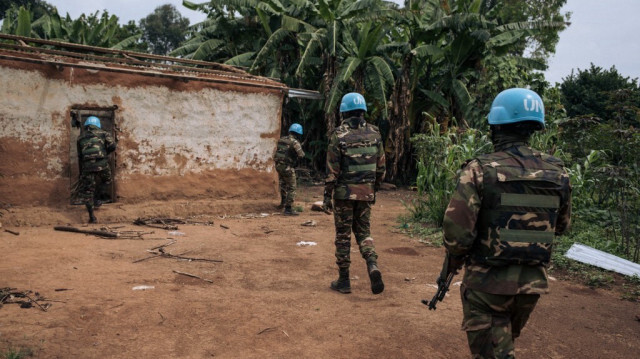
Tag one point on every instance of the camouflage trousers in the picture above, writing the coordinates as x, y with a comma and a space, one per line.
493, 321
287, 181
354, 215
88, 183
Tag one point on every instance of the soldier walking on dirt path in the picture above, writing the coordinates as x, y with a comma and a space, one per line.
500, 224
287, 153
355, 169
94, 147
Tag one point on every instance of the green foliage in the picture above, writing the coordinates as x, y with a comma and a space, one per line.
440, 155
595, 92
94, 30
602, 141
37, 7
164, 29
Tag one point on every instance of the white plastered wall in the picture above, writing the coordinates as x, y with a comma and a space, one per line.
164, 132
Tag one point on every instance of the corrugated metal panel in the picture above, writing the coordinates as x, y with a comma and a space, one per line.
600, 259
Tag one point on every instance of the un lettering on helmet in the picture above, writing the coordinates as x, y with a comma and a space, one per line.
533, 105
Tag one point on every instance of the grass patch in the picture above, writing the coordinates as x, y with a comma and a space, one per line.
422, 232
17, 353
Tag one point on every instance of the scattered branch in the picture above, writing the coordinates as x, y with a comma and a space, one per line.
192, 276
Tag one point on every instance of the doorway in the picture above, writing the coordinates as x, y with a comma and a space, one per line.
104, 193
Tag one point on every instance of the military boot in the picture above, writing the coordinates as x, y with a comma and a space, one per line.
281, 205
288, 211
377, 286
343, 284
92, 218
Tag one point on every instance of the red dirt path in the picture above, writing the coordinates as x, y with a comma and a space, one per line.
269, 298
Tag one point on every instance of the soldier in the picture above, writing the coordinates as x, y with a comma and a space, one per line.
94, 147
355, 168
500, 224
288, 151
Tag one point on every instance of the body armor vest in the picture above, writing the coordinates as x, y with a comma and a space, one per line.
92, 147
359, 149
284, 151
522, 195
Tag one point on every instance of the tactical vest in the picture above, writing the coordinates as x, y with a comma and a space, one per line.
92, 146
284, 151
522, 196
359, 148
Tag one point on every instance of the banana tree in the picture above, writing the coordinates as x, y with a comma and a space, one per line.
93, 30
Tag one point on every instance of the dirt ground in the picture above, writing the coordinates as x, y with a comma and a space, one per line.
269, 298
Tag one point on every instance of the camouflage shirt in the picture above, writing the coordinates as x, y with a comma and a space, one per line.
503, 215
355, 161
288, 148
94, 147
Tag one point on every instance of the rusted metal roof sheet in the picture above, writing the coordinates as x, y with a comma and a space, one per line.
90, 57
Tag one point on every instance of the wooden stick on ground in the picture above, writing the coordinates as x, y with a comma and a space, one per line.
95, 233
192, 276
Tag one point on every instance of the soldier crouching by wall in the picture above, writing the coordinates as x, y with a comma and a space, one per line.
94, 147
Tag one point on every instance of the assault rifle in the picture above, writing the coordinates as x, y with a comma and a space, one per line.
444, 281
443, 288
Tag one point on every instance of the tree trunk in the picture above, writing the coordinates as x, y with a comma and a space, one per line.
398, 146
329, 113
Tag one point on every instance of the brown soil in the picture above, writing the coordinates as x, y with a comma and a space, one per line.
269, 298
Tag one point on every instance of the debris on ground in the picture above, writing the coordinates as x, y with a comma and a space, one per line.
176, 233
246, 216
266, 229
161, 223
594, 257
385, 186
106, 232
127, 234
13, 296
142, 287
192, 276
303, 244
309, 223
317, 206
167, 223
12, 232
159, 251
103, 234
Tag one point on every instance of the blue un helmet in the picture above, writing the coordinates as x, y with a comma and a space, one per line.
516, 105
92, 120
297, 128
353, 101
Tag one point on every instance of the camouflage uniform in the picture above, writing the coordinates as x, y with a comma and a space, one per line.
288, 149
355, 169
94, 147
502, 218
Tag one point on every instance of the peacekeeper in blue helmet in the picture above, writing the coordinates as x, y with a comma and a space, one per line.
94, 147
500, 224
355, 170
288, 152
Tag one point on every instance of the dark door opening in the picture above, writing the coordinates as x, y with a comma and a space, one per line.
105, 193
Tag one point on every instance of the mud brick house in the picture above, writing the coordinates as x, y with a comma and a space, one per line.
185, 129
